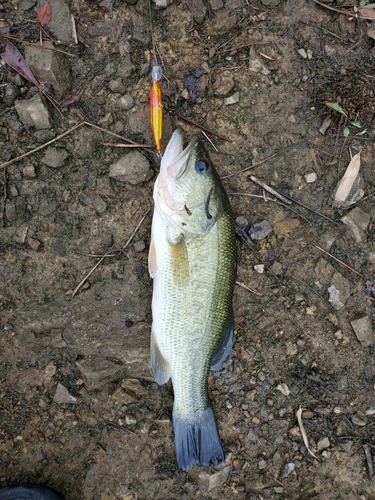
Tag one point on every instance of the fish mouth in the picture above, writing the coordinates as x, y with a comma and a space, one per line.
175, 158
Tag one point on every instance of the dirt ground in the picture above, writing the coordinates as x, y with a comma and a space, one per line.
79, 409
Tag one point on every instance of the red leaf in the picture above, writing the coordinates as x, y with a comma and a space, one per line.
13, 57
367, 13
44, 14
350, 24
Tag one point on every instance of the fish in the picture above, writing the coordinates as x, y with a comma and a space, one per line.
192, 260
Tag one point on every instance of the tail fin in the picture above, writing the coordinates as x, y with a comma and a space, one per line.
196, 439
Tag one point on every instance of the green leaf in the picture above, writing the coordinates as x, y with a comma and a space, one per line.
336, 107
346, 132
356, 124
362, 3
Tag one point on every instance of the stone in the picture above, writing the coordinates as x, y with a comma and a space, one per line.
259, 268
139, 246
232, 99
94, 201
11, 93
125, 102
310, 178
46, 207
271, 3
339, 291
54, 157
198, 10
323, 444
357, 220
60, 25
116, 85
29, 171
103, 30
97, 372
132, 167
62, 396
302, 53
324, 126
224, 20
216, 4
218, 478
33, 112
139, 121
50, 67
260, 230
130, 419
255, 64
161, 4
33, 243
363, 330
223, 85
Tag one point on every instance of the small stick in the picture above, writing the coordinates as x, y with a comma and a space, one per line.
240, 47
3, 210
209, 140
340, 11
369, 461
114, 145
340, 261
249, 288
42, 146
316, 212
107, 254
248, 168
303, 432
270, 190
74, 31
203, 128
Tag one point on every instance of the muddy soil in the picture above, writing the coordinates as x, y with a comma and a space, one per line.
79, 410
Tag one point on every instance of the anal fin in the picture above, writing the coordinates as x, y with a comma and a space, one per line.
225, 348
159, 365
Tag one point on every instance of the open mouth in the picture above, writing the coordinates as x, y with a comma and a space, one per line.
175, 158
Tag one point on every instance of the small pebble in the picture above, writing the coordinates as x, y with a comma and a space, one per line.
302, 53
310, 178
259, 268
323, 444
33, 243
29, 171
130, 419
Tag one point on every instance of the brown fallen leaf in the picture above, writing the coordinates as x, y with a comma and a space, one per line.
347, 181
13, 57
350, 24
367, 13
44, 14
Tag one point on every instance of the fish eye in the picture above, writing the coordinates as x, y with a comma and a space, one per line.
202, 166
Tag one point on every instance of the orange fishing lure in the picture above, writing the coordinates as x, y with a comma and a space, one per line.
156, 107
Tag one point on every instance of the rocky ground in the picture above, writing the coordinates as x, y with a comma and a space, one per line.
79, 408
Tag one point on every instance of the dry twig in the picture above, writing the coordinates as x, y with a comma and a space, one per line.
251, 166
339, 261
249, 288
187, 120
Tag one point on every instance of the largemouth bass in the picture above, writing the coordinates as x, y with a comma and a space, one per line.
192, 263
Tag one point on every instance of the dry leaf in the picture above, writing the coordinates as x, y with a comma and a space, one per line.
284, 389
13, 57
366, 13
303, 432
44, 14
350, 24
347, 181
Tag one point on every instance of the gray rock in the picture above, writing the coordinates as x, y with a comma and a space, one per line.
94, 201
98, 372
104, 30
357, 221
86, 143
54, 157
255, 64
218, 478
141, 29
139, 246
216, 4
139, 121
33, 112
50, 67
223, 21
116, 85
125, 102
364, 332
271, 3
161, 4
47, 207
62, 396
132, 167
233, 99
223, 85
11, 93
110, 69
339, 291
198, 10
61, 24
260, 230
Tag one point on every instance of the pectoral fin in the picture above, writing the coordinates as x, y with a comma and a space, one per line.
152, 258
160, 366
225, 348
179, 262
